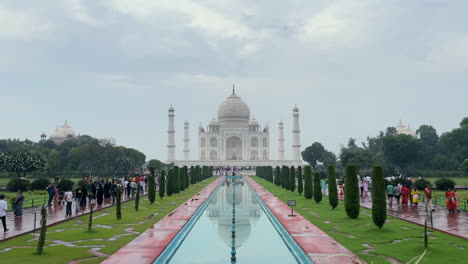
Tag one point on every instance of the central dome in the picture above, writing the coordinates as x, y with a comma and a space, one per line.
233, 108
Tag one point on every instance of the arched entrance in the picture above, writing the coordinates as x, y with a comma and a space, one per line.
234, 148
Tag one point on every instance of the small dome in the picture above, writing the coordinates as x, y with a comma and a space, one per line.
67, 130
57, 134
296, 109
171, 108
214, 122
253, 122
281, 123
43, 134
233, 108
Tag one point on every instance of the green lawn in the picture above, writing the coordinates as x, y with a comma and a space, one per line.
111, 235
398, 239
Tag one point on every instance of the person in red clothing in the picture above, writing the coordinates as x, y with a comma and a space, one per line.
450, 201
404, 195
137, 179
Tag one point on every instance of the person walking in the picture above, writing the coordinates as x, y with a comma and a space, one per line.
3, 209
404, 195
390, 194
51, 192
113, 191
428, 193
19, 203
56, 196
133, 188
457, 201
107, 189
415, 193
450, 201
397, 193
69, 199
78, 196
100, 195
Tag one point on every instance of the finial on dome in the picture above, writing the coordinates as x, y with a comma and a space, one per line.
233, 89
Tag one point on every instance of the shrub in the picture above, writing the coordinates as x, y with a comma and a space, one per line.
65, 184
90, 220
151, 186
332, 188
82, 183
308, 192
182, 179
300, 184
170, 181
277, 176
420, 184
162, 184
351, 193
18, 184
379, 201
176, 181
42, 235
444, 184
137, 198
317, 190
39, 184
292, 181
119, 204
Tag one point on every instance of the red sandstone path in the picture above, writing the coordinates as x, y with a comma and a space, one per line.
319, 246
55, 215
150, 244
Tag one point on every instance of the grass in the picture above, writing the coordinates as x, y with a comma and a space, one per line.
398, 239
130, 226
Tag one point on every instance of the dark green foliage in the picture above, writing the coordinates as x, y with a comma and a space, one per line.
317, 189
425, 234
182, 179
151, 186
42, 235
308, 191
16, 184
292, 177
444, 184
300, 183
332, 188
65, 184
277, 176
186, 179
176, 181
39, 184
351, 192
90, 219
420, 184
285, 177
170, 182
137, 197
379, 201
270, 174
162, 184
119, 204
192, 175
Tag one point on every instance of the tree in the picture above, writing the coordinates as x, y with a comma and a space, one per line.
351, 194
90, 219
162, 184
308, 191
137, 198
176, 179
22, 163
464, 166
170, 182
151, 186
187, 180
464, 122
317, 190
42, 235
455, 144
157, 164
277, 176
402, 150
379, 201
285, 173
292, 182
300, 184
53, 160
313, 153
355, 155
332, 188
119, 204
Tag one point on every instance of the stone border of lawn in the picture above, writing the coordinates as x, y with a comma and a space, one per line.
66, 219
149, 245
318, 245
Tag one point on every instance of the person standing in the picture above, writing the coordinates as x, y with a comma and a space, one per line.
404, 195
390, 194
107, 189
428, 193
3, 209
457, 201
366, 187
450, 201
142, 187
19, 203
133, 188
113, 191
78, 195
69, 200
100, 195
415, 194
51, 192
361, 186
397, 193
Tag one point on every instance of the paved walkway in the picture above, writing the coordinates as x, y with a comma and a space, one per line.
453, 224
55, 215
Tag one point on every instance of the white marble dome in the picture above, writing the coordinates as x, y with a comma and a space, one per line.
67, 130
233, 108
57, 134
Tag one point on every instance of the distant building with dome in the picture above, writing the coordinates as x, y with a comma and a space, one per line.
60, 134
404, 130
234, 138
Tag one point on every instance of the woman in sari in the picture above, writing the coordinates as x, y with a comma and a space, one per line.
404, 195
19, 203
415, 194
457, 201
450, 201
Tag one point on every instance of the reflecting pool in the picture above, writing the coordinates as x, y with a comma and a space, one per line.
210, 239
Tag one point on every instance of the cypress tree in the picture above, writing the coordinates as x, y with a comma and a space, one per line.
379, 201
170, 182
192, 175
270, 174
176, 182
292, 182
182, 179
300, 184
285, 172
187, 183
42, 235
317, 190
162, 184
277, 176
151, 186
351, 194
332, 189
197, 173
137, 198
308, 192
119, 203
90, 220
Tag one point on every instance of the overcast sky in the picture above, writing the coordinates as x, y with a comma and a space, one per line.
113, 67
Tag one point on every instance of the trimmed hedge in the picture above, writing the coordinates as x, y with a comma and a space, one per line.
444, 184
308, 191
332, 188
300, 183
16, 184
39, 184
379, 201
317, 189
351, 194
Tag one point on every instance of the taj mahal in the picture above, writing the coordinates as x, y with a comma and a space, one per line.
234, 138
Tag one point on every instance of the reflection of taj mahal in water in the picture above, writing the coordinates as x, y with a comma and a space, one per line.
235, 138
248, 212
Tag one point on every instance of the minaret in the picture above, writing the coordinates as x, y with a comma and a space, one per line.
296, 135
186, 141
171, 137
280, 141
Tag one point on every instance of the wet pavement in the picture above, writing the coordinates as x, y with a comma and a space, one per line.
55, 214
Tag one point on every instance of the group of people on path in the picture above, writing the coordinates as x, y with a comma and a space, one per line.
451, 201
403, 193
